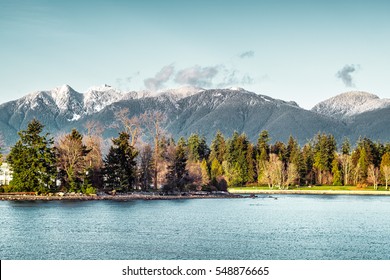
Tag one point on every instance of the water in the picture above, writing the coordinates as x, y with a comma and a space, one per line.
289, 227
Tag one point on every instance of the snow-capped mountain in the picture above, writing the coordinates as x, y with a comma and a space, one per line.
350, 104
181, 92
227, 110
190, 110
97, 98
61, 99
66, 101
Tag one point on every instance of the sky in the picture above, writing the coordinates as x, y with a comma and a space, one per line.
306, 51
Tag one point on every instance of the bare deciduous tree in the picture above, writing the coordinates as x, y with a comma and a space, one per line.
292, 174
153, 122
273, 171
94, 141
373, 175
71, 158
195, 173
385, 168
132, 126
346, 164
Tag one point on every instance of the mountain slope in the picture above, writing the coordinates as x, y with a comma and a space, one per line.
227, 110
243, 111
374, 124
190, 110
349, 104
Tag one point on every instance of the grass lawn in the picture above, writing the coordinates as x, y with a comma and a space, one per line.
313, 188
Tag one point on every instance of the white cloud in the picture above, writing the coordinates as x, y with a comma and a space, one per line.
196, 76
345, 75
158, 81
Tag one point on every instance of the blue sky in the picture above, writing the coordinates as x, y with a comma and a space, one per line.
304, 51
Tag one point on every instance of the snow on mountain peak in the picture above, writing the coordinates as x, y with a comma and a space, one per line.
65, 97
98, 97
179, 93
237, 89
103, 87
350, 103
64, 88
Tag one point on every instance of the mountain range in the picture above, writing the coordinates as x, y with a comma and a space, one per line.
190, 110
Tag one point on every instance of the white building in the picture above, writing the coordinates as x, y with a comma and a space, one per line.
5, 174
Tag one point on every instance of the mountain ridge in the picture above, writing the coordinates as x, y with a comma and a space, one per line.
349, 104
191, 110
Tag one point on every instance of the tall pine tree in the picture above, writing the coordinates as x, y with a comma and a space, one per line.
120, 164
176, 176
32, 159
218, 148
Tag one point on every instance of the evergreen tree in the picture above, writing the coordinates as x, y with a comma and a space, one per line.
250, 159
215, 170
292, 150
120, 164
308, 160
324, 151
295, 157
346, 147
197, 148
205, 172
262, 155
363, 163
32, 159
279, 149
262, 146
336, 172
218, 148
176, 176
236, 158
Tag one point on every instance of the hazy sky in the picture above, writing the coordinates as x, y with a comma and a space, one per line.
305, 51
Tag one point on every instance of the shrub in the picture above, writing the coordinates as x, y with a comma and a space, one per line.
89, 190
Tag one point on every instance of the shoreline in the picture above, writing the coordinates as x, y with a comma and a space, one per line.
232, 194
124, 197
312, 192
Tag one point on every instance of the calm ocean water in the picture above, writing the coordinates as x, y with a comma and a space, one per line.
289, 227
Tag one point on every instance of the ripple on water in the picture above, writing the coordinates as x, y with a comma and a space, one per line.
289, 227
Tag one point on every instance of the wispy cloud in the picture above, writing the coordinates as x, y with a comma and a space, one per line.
158, 81
216, 76
232, 77
345, 74
247, 54
196, 76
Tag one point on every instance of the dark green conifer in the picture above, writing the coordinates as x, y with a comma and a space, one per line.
120, 164
177, 172
32, 160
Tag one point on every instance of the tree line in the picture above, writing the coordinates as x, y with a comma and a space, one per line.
75, 163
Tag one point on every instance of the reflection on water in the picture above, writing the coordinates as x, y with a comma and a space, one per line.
267, 227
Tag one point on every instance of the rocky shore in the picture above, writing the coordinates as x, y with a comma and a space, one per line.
121, 197
157, 196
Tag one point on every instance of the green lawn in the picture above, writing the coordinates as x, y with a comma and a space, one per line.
314, 188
